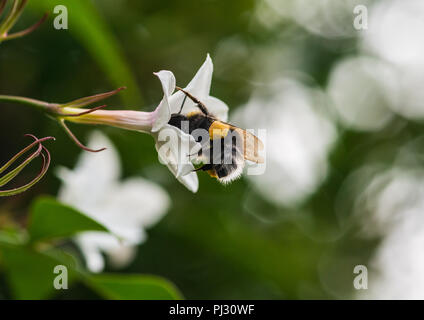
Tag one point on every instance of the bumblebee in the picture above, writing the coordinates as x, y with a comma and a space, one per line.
226, 148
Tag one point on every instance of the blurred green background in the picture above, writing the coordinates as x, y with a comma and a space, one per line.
224, 242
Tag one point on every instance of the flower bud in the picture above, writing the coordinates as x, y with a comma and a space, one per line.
7, 176
12, 17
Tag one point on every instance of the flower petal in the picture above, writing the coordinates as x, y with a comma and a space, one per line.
92, 244
141, 204
176, 101
94, 260
167, 80
200, 85
189, 147
93, 174
122, 256
174, 148
92, 254
163, 111
217, 107
104, 165
126, 208
190, 181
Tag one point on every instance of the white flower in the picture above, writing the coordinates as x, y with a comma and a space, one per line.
176, 156
173, 145
395, 36
126, 208
395, 199
301, 136
363, 90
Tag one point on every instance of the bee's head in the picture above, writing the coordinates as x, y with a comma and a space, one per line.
176, 119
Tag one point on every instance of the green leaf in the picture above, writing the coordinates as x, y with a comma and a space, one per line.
12, 236
30, 274
89, 28
133, 287
51, 219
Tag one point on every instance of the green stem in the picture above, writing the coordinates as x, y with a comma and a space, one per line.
10, 19
41, 105
124, 119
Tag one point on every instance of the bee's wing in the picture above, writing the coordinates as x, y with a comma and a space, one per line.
251, 145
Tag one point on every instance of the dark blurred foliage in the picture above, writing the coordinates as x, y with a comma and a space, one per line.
211, 244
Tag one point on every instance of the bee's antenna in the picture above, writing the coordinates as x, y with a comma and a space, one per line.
182, 105
200, 105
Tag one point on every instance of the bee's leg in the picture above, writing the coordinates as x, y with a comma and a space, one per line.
205, 167
200, 105
194, 154
209, 168
199, 153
